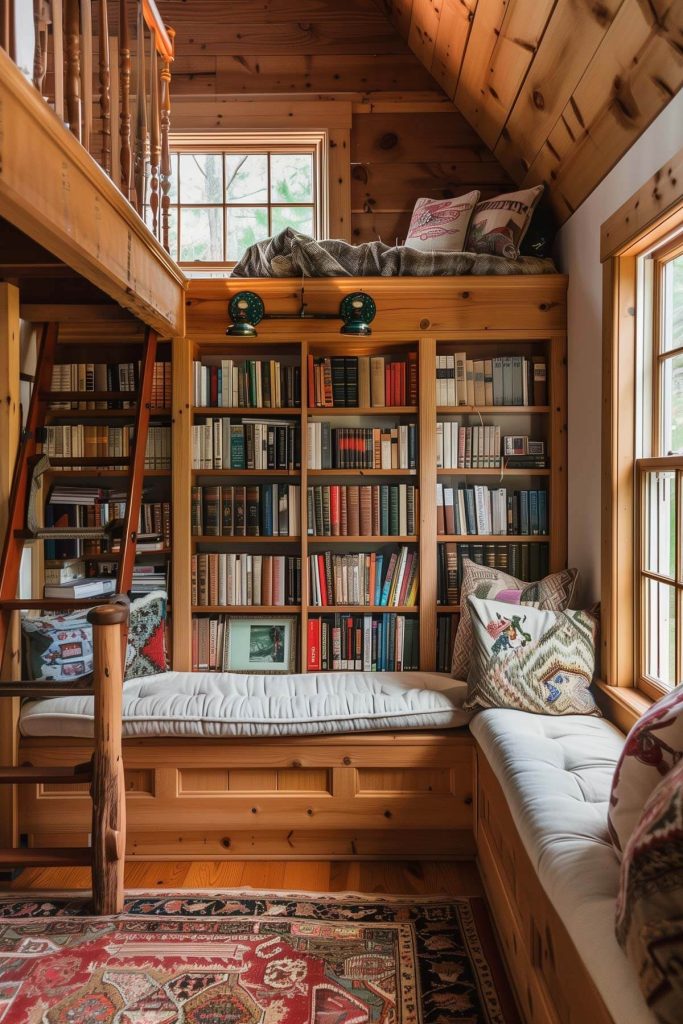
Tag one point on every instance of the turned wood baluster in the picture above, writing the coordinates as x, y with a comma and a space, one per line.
40, 21
124, 78
73, 66
105, 74
141, 167
86, 72
165, 145
155, 138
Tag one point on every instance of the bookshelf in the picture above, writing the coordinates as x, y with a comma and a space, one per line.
521, 318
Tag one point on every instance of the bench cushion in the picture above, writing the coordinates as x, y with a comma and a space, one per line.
211, 704
556, 774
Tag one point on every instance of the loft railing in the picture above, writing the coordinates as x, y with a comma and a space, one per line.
112, 89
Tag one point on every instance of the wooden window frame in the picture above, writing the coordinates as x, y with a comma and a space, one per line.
648, 220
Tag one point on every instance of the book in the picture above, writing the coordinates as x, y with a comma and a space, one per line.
384, 642
246, 383
80, 588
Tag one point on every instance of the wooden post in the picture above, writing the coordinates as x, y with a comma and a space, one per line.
141, 136
10, 426
39, 44
165, 120
105, 99
73, 66
427, 471
155, 137
181, 420
86, 73
108, 786
124, 90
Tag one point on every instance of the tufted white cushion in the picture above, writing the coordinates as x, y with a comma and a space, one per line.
214, 704
556, 773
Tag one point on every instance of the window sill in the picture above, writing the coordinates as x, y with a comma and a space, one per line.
623, 705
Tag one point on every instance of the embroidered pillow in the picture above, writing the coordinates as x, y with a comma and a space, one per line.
59, 647
440, 225
499, 225
555, 593
653, 747
531, 660
649, 921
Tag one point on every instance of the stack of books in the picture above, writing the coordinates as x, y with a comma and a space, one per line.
364, 578
503, 380
364, 382
147, 578
93, 586
228, 579
247, 383
363, 643
484, 510
362, 447
266, 510
368, 510
218, 443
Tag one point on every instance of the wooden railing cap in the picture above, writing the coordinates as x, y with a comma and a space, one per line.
109, 614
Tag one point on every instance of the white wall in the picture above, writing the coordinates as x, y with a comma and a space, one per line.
578, 254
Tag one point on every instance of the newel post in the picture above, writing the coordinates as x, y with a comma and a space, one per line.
108, 787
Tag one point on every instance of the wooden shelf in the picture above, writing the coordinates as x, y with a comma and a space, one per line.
370, 410
487, 538
226, 538
253, 473
500, 472
241, 609
115, 556
116, 414
361, 539
94, 474
362, 609
241, 410
362, 472
448, 609
498, 410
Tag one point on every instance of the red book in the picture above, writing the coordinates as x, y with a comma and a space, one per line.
214, 386
314, 645
402, 378
322, 580
387, 385
335, 516
311, 384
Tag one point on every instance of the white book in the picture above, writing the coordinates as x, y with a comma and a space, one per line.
447, 456
367, 643
451, 396
440, 444
460, 378
469, 379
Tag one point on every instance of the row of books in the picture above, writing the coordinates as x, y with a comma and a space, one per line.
79, 440
363, 643
362, 447
445, 635
102, 506
487, 510
247, 383
148, 577
268, 510
218, 443
361, 381
364, 578
503, 380
228, 579
108, 377
368, 510
69, 512
524, 561
482, 447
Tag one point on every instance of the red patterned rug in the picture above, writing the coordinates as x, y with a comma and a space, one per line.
250, 958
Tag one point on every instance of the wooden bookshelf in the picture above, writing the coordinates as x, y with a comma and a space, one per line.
482, 317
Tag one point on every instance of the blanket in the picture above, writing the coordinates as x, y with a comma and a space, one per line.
291, 254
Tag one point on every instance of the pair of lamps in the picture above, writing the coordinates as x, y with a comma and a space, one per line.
357, 311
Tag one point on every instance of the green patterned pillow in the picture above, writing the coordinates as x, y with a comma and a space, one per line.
531, 660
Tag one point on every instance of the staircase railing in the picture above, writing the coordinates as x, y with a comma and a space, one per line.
110, 85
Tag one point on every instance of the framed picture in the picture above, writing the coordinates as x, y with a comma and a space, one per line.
263, 643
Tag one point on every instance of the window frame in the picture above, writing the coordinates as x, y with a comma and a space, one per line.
313, 142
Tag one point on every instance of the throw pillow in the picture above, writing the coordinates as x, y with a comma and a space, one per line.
555, 593
653, 747
649, 921
59, 647
499, 225
440, 225
531, 660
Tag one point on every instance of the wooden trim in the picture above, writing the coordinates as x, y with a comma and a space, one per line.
653, 208
427, 470
162, 40
181, 503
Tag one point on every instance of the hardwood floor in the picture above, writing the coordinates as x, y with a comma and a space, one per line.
453, 878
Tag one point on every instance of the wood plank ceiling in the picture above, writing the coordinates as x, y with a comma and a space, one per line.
552, 90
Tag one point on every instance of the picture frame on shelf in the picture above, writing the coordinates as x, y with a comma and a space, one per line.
260, 643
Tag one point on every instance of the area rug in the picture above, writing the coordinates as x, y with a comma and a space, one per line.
249, 957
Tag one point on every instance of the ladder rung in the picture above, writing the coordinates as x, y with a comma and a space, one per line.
77, 533
89, 396
53, 604
36, 689
57, 857
32, 773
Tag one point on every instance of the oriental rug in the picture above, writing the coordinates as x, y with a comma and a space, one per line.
250, 957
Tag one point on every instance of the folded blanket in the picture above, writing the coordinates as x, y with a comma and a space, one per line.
291, 254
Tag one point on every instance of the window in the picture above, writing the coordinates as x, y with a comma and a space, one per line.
659, 471
227, 194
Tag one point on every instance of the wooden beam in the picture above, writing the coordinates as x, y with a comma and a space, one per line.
289, 73
339, 179
659, 198
452, 37
54, 192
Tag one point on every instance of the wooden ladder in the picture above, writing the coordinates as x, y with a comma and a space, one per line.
105, 771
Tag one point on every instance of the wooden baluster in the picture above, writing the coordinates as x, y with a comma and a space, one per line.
124, 79
7, 40
73, 66
86, 72
105, 73
165, 145
155, 138
40, 22
56, 18
141, 134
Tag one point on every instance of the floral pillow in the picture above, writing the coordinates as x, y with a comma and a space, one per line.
440, 225
555, 593
649, 922
499, 225
653, 747
531, 660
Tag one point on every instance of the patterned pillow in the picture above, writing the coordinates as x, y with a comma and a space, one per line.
499, 225
531, 660
554, 593
440, 225
653, 747
649, 922
59, 647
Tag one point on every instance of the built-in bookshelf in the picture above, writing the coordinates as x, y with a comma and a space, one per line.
350, 459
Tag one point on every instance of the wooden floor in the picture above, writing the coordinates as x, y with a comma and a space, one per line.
459, 878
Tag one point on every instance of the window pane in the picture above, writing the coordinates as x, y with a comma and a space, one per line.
173, 193
672, 405
672, 326
660, 632
246, 178
659, 534
291, 178
298, 217
246, 225
201, 234
201, 178
173, 232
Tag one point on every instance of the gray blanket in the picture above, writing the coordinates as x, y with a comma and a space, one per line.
290, 254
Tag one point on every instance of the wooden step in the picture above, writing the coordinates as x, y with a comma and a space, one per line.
37, 689
36, 773
57, 857
78, 533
